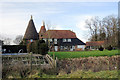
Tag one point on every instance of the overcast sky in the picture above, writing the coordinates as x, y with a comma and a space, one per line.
14, 16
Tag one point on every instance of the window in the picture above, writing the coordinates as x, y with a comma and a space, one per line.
31, 40
55, 42
50, 40
69, 40
55, 39
81, 46
78, 46
73, 47
61, 46
64, 40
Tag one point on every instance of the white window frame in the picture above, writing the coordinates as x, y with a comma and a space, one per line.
64, 40
55, 42
69, 40
55, 39
56, 48
50, 40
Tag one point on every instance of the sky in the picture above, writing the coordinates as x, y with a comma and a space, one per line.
14, 16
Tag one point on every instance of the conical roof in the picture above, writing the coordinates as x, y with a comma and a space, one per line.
42, 30
31, 32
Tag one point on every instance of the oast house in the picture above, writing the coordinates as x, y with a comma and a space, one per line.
59, 40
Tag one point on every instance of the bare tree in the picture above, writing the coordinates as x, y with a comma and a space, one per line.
105, 29
94, 26
110, 25
7, 41
18, 39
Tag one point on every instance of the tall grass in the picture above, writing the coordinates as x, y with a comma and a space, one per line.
82, 74
78, 54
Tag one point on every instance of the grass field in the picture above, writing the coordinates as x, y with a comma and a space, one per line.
62, 55
82, 74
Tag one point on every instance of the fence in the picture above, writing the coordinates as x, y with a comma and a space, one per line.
34, 59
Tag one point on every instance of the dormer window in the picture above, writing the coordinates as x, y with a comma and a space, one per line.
69, 40
64, 40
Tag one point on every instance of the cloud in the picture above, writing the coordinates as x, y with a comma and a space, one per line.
14, 17
13, 25
81, 22
81, 30
81, 25
58, 27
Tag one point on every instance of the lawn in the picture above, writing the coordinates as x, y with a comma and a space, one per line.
78, 54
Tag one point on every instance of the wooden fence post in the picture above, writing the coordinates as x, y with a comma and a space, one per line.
31, 62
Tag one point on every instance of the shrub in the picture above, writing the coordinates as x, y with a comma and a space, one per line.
16, 70
101, 48
110, 47
43, 49
86, 49
38, 47
29, 47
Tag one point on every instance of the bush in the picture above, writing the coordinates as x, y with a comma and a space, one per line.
16, 70
43, 49
38, 47
86, 49
110, 47
101, 48
29, 47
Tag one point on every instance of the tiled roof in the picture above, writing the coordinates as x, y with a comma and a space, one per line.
59, 34
42, 30
31, 32
95, 43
